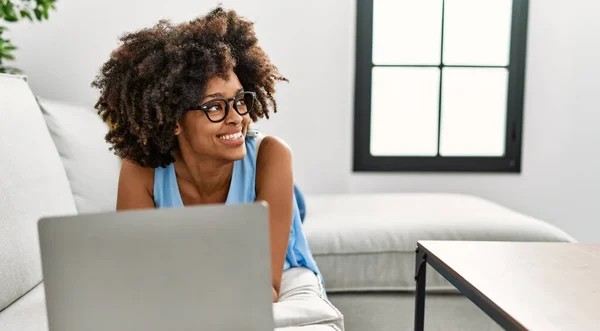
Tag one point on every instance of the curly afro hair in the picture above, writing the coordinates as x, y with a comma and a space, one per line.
159, 72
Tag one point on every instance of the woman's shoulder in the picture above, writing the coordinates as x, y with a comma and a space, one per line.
274, 175
276, 145
136, 171
269, 146
273, 157
136, 183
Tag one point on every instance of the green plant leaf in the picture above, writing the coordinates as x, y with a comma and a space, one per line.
6, 47
10, 70
26, 14
11, 17
9, 12
38, 14
45, 9
13, 11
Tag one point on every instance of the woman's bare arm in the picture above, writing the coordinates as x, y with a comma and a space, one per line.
135, 187
275, 185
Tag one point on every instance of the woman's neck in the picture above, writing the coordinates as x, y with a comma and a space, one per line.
210, 178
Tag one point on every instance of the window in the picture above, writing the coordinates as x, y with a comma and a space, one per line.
439, 85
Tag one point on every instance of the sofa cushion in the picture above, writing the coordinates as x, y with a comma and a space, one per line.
93, 170
26, 314
301, 302
366, 242
32, 184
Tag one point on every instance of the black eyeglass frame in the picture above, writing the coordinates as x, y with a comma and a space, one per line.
240, 96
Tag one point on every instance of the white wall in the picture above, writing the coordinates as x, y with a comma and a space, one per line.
312, 42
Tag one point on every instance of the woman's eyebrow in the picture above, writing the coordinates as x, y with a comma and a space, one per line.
213, 95
220, 95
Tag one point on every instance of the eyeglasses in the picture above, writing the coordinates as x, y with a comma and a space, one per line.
217, 109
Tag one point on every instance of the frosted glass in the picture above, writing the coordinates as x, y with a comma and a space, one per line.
404, 111
407, 31
473, 119
477, 32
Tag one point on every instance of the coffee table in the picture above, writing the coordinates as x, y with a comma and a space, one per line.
521, 285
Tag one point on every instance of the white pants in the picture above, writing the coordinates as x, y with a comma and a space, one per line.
302, 305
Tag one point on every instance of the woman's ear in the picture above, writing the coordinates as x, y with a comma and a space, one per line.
177, 129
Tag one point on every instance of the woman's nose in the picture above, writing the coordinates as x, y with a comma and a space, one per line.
233, 117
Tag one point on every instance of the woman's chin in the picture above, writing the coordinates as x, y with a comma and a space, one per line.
236, 153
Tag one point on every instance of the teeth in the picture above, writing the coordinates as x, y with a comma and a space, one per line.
232, 136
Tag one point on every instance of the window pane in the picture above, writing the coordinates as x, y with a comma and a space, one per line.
407, 31
404, 111
473, 119
477, 32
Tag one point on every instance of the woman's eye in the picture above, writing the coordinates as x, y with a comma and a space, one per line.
213, 107
240, 102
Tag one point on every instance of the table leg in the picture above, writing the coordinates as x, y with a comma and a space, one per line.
420, 268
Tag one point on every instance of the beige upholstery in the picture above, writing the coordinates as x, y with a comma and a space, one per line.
366, 242
32, 184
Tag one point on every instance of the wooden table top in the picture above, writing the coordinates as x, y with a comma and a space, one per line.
534, 286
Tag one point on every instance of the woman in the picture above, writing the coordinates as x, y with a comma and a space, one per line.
179, 100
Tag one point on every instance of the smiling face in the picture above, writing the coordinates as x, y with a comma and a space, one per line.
201, 131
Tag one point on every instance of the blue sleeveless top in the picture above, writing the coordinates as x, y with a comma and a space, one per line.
241, 190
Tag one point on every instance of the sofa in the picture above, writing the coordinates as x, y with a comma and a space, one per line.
54, 161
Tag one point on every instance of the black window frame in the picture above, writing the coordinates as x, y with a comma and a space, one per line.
363, 161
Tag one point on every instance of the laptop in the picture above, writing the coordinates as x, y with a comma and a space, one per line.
194, 268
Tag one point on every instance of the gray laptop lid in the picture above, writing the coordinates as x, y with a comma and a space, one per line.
195, 268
